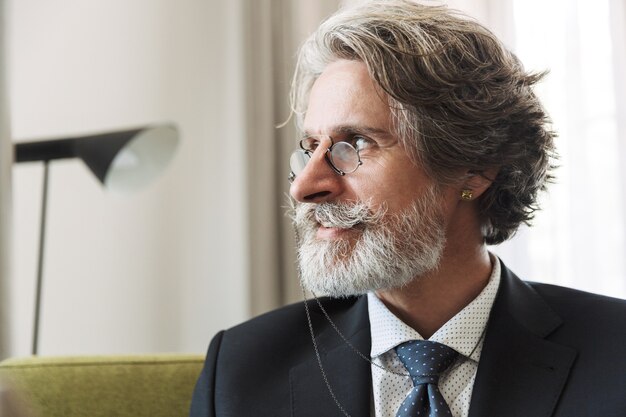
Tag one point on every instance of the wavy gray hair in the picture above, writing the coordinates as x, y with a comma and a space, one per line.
459, 99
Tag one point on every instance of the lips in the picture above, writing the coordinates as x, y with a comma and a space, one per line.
345, 224
324, 232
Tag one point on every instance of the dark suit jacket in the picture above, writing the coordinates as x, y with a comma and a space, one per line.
548, 351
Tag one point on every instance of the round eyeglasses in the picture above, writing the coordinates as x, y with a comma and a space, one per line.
342, 157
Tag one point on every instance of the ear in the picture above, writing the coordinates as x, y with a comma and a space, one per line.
475, 183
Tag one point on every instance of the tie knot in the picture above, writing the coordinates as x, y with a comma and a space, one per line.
425, 360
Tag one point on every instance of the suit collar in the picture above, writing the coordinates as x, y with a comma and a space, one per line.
348, 374
520, 372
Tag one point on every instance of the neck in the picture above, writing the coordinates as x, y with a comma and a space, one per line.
429, 301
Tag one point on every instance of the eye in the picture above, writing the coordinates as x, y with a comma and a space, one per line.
360, 142
309, 144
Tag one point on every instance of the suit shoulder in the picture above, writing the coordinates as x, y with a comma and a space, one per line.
282, 335
293, 316
595, 312
569, 297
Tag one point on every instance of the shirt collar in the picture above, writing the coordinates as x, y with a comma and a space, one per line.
463, 332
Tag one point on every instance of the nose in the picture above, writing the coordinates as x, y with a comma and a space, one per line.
317, 182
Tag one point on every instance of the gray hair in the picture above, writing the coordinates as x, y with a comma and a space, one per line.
459, 99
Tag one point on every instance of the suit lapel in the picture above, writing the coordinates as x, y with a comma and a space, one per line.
520, 372
348, 375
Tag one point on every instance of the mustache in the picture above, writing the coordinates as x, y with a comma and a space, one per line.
343, 215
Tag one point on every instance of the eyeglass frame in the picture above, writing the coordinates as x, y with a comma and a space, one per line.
327, 155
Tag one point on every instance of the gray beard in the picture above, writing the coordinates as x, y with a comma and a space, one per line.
386, 251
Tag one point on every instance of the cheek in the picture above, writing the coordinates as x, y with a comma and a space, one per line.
391, 179
381, 188
451, 200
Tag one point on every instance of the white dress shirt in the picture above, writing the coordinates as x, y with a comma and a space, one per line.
464, 333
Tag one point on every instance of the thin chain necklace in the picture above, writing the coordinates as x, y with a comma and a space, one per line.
317, 352
351, 346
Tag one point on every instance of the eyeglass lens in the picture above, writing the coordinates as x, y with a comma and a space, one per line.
298, 160
343, 158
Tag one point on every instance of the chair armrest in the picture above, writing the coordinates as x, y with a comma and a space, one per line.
106, 386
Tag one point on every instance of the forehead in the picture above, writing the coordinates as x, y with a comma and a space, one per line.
346, 95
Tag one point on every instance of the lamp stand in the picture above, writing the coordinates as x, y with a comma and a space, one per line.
42, 239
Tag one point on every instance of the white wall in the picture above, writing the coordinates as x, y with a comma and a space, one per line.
163, 269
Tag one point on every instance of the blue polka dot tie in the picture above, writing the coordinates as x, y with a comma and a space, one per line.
425, 361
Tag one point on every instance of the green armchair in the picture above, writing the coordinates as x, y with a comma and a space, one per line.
105, 386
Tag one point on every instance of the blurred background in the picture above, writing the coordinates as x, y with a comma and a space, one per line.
207, 244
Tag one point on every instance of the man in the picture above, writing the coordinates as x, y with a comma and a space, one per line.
422, 143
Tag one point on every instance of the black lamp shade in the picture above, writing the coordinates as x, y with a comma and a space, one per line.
99, 151
124, 160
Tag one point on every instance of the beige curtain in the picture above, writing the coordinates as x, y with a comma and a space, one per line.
579, 237
5, 196
617, 11
275, 29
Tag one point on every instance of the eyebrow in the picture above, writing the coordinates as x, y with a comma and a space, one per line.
352, 130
